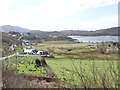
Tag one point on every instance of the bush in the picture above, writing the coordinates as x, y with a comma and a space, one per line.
43, 62
37, 63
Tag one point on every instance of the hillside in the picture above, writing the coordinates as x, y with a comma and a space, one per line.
8, 28
7, 41
109, 31
61, 35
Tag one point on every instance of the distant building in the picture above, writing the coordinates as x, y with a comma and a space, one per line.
13, 47
30, 51
76, 41
14, 35
54, 36
26, 42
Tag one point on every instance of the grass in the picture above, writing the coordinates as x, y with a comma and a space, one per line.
19, 49
80, 67
70, 69
79, 50
24, 65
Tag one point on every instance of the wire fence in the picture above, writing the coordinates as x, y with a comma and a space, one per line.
98, 77
17, 67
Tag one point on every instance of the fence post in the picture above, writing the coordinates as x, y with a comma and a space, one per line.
1, 84
16, 61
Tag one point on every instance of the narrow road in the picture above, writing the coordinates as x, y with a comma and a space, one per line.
20, 37
26, 55
3, 58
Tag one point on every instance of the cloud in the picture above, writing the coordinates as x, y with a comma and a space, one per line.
101, 23
45, 14
61, 8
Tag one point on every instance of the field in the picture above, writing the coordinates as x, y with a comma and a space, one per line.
75, 64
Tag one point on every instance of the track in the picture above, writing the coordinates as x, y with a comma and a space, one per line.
7, 57
3, 58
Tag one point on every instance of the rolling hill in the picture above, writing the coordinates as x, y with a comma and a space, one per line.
33, 34
8, 28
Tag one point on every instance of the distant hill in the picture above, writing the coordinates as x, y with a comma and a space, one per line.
110, 32
8, 28
114, 31
37, 34
63, 35
8, 39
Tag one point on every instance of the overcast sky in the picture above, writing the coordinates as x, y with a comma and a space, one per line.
55, 15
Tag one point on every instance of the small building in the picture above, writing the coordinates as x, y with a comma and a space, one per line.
76, 41
28, 51
13, 47
26, 42
14, 35
112, 50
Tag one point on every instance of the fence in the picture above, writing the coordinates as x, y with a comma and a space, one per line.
17, 69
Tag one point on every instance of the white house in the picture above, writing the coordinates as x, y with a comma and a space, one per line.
27, 42
13, 47
28, 51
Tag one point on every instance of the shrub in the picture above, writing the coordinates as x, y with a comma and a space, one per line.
43, 62
37, 63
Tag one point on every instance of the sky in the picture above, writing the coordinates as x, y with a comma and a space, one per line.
57, 15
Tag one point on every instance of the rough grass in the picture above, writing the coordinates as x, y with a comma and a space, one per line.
71, 71
24, 65
78, 50
80, 67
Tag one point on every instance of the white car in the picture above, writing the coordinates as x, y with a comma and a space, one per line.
38, 53
44, 54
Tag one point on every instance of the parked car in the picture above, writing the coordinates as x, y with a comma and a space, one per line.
38, 53
30, 51
44, 54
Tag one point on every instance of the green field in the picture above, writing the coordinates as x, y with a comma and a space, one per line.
85, 72
79, 67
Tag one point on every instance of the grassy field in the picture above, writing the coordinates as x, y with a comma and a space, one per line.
85, 73
24, 65
75, 64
